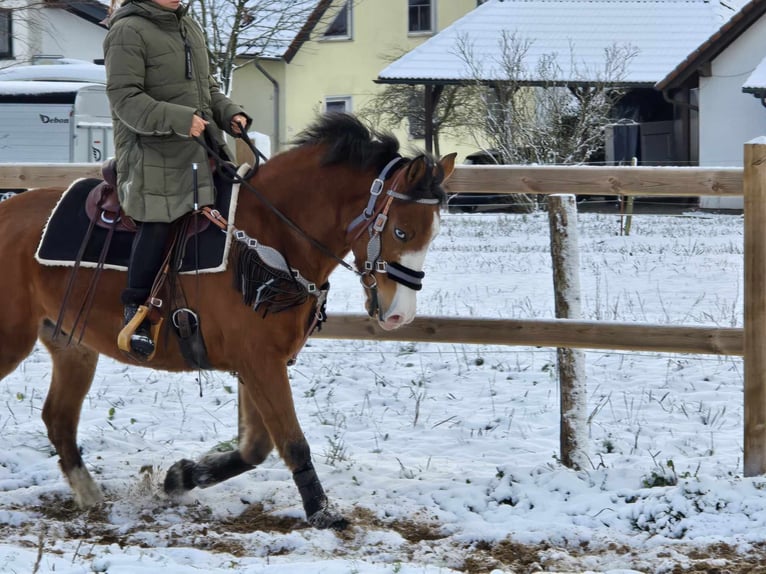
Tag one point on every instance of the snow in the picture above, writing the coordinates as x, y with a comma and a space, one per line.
34, 87
67, 71
443, 456
757, 79
577, 32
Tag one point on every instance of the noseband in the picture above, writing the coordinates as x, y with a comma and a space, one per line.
375, 217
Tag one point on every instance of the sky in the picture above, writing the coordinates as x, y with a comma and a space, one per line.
444, 457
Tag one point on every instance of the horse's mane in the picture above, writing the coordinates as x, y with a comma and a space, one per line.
348, 140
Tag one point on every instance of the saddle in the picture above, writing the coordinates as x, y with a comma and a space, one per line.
101, 209
102, 206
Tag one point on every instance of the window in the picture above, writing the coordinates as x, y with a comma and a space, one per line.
341, 24
6, 46
421, 16
338, 104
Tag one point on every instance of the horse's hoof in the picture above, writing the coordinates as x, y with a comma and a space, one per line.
86, 492
327, 518
180, 477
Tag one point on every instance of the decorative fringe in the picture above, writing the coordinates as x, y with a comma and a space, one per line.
264, 287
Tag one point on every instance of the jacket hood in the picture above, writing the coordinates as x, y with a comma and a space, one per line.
147, 9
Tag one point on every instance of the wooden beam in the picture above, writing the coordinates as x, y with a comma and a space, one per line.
543, 333
755, 309
580, 180
30, 175
590, 180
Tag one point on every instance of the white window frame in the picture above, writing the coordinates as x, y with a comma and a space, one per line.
333, 101
432, 24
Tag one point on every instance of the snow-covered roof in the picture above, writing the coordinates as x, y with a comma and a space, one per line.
756, 82
270, 27
662, 32
63, 72
712, 46
28, 88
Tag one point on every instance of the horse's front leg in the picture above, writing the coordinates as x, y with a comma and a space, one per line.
254, 445
266, 418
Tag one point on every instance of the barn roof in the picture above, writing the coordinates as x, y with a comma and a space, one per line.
662, 33
712, 46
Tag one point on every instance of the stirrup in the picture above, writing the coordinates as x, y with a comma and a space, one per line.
127, 332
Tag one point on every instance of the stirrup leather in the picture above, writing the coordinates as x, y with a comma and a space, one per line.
123, 339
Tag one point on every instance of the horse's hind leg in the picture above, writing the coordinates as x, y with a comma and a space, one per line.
254, 446
16, 343
73, 369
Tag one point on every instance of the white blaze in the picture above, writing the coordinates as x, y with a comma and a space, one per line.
403, 306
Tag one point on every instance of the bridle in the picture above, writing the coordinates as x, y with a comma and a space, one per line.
373, 219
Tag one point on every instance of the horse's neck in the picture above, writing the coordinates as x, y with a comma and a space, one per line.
322, 215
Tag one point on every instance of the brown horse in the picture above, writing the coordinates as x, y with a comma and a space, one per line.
341, 188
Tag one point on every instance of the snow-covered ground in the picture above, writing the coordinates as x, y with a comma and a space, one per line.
444, 457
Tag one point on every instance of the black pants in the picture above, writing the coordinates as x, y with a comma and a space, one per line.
146, 257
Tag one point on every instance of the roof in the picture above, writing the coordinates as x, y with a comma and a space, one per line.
756, 82
11, 87
275, 27
662, 32
66, 71
712, 46
90, 10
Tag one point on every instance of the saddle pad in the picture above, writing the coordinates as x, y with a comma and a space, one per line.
68, 223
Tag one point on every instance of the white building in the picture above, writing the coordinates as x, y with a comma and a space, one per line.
39, 31
720, 78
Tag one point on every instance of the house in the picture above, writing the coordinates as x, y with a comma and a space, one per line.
719, 88
333, 59
578, 33
329, 61
39, 32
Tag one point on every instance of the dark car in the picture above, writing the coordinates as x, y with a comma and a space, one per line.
489, 202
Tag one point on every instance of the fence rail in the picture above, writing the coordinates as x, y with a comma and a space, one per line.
580, 180
636, 181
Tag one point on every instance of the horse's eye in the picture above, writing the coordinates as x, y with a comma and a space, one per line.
400, 235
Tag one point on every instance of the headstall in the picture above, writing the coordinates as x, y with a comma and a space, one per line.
375, 217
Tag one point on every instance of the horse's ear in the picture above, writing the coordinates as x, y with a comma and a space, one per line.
416, 170
448, 164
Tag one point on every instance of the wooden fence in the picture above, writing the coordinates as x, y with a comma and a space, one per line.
628, 181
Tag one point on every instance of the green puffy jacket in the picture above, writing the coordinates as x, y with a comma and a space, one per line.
157, 72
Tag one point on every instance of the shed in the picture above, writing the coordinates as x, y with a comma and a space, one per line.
663, 32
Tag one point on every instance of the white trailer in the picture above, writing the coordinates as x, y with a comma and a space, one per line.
54, 122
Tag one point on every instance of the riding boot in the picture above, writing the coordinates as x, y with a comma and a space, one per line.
141, 342
145, 261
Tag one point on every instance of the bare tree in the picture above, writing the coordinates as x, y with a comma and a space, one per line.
403, 106
28, 22
541, 114
251, 28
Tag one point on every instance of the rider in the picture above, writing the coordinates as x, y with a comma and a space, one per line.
162, 97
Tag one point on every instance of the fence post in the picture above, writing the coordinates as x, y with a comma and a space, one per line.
754, 189
565, 253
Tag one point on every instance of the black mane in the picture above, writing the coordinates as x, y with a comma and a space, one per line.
349, 141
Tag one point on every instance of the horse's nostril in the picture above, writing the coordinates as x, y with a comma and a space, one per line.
395, 319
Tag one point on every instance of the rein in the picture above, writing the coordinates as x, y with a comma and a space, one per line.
227, 171
373, 218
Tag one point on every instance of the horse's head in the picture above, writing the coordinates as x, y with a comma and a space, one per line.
391, 253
